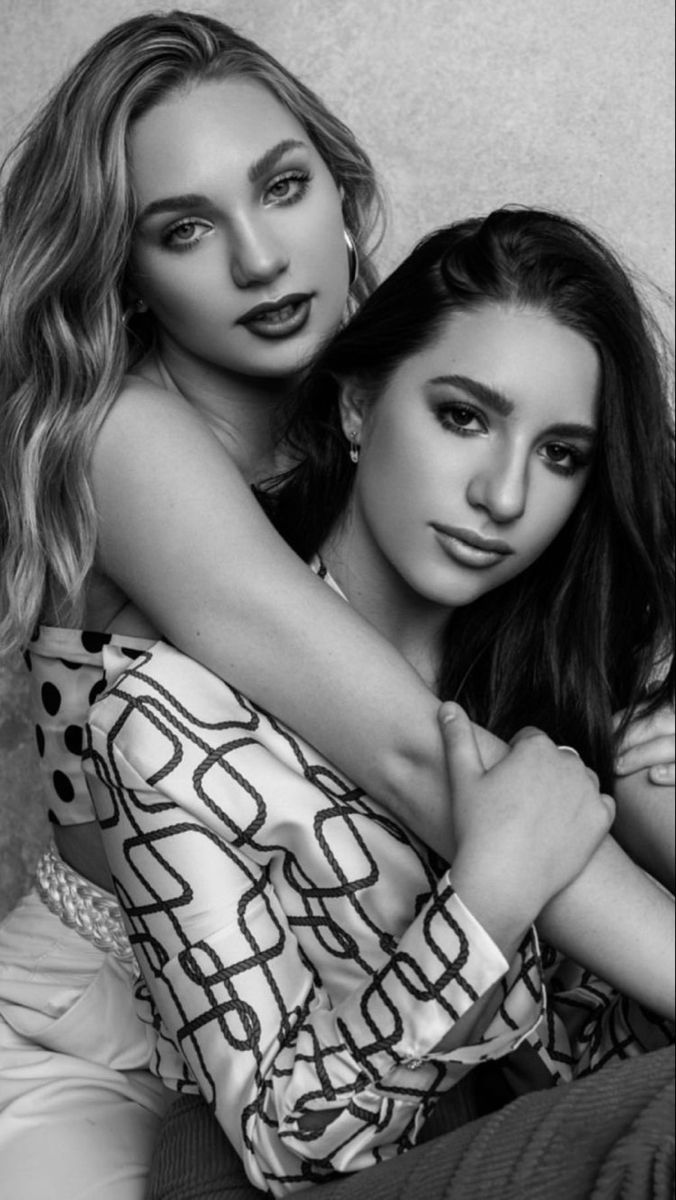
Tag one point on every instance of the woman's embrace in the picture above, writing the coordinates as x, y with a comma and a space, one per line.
483, 471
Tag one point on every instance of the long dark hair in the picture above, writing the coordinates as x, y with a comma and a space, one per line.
587, 629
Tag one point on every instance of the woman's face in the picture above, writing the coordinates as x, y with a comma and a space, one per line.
238, 249
473, 457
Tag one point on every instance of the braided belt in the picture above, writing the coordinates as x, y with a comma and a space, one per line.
81, 905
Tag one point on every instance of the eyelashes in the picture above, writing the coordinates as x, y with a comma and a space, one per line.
463, 420
577, 459
290, 187
285, 189
173, 236
458, 416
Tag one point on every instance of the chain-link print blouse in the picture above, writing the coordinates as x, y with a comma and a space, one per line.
302, 953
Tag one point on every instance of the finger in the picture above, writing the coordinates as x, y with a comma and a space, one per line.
463, 758
659, 724
527, 733
491, 748
660, 751
609, 806
594, 777
663, 775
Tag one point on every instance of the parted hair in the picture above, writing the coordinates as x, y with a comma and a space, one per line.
65, 235
588, 628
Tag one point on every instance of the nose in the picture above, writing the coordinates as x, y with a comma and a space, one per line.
500, 485
256, 255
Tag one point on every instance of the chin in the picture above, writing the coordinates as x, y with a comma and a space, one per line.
460, 593
283, 361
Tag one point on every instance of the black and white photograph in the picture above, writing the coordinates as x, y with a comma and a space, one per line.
337, 729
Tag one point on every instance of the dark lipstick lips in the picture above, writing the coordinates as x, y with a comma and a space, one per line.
274, 306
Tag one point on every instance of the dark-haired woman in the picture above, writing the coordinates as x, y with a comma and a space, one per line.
483, 463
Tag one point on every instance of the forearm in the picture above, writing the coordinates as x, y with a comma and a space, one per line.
644, 825
617, 922
612, 918
182, 535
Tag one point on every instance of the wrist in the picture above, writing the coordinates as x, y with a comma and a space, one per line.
496, 898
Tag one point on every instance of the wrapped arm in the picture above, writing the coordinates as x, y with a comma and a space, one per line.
181, 534
646, 824
644, 791
266, 942
175, 514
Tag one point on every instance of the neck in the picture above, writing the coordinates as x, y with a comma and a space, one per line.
413, 625
243, 412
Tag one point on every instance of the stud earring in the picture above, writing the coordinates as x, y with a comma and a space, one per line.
352, 257
354, 446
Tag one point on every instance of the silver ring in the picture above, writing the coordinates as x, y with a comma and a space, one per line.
570, 750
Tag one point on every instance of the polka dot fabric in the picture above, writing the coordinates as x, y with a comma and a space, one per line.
67, 674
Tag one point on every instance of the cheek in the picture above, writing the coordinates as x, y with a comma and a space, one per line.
384, 447
175, 294
391, 483
332, 262
320, 230
553, 510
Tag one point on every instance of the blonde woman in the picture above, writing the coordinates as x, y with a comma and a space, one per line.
181, 230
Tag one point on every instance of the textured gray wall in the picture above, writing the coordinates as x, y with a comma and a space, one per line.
463, 105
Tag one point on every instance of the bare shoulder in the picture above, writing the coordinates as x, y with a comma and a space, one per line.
147, 422
143, 402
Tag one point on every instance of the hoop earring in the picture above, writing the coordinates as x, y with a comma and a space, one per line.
354, 447
352, 257
133, 310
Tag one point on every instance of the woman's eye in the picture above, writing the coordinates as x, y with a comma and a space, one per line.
462, 418
186, 234
563, 458
286, 189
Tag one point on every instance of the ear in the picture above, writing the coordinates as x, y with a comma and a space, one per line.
351, 406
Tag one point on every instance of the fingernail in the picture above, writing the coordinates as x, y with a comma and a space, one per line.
448, 713
660, 772
619, 763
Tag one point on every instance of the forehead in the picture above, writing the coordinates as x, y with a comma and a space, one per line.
524, 353
198, 133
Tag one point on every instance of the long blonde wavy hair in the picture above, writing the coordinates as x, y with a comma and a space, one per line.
65, 235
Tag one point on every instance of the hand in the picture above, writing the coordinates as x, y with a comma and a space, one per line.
525, 828
649, 743
491, 748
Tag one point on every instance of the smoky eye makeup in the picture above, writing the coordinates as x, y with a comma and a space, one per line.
460, 417
455, 411
565, 459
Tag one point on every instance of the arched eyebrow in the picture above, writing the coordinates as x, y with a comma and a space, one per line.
271, 157
171, 204
491, 397
257, 171
499, 403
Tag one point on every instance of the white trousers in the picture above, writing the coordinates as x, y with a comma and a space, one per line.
79, 1108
